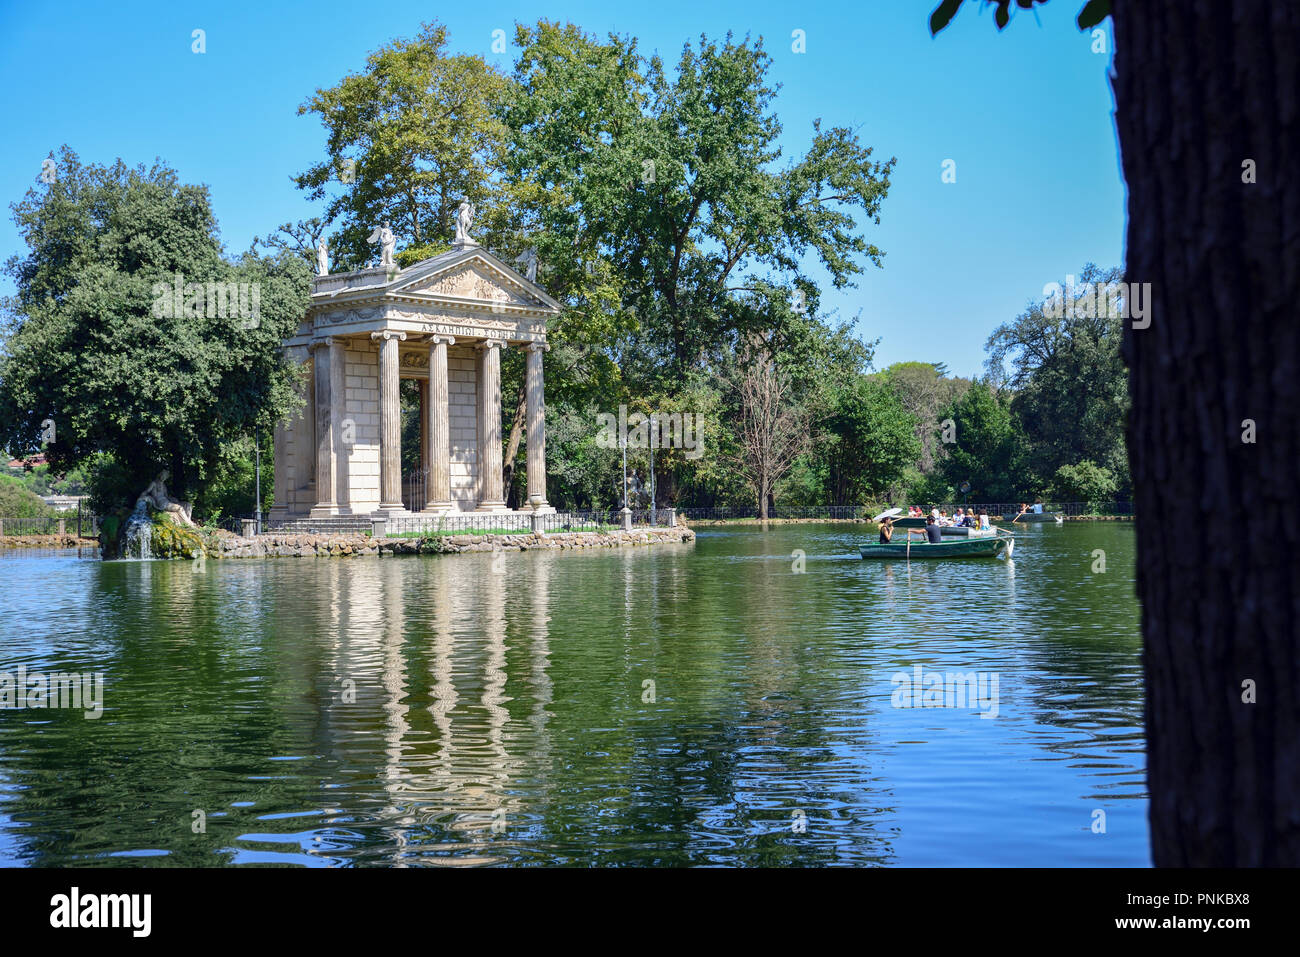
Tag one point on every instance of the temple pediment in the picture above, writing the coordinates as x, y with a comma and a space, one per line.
474, 281
466, 292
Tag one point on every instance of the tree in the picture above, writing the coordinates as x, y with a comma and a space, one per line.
984, 450
664, 182
409, 138
1068, 378
1208, 144
871, 441
19, 502
1086, 482
102, 357
923, 389
773, 429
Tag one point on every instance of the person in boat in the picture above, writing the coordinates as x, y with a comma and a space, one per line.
1038, 507
969, 520
932, 531
886, 531
984, 519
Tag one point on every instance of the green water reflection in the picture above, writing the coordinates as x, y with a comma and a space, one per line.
458, 710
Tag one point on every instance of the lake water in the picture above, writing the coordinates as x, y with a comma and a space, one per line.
675, 705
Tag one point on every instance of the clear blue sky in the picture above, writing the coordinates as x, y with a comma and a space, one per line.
1026, 114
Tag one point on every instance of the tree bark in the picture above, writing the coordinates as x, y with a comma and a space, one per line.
1200, 88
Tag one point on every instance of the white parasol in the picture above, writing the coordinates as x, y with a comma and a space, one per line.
888, 513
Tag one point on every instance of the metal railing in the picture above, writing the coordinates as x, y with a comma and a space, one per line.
414, 490
863, 513
79, 523
859, 513
1064, 508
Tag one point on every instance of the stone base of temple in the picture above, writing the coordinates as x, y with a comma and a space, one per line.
492, 507
328, 510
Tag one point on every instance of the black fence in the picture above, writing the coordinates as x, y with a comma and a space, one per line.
864, 513
79, 523
852, 513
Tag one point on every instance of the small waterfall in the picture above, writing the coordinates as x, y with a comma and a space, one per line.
137, 534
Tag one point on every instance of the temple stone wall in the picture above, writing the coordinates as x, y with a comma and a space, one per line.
361, 381
462, 391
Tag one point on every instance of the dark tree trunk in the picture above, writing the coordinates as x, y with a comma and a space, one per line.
1200, 87
512, 447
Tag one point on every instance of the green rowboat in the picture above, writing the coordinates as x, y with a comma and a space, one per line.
982, 547
1031, 517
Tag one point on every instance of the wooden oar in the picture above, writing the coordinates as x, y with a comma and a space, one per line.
1022, 512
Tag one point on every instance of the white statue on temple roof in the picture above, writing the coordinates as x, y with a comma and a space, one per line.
322, 258
464, 219
387, 244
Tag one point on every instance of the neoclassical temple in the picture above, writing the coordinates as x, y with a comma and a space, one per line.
444, 323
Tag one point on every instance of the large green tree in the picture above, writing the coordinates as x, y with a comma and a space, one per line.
985, 445
408, 138
870, 440
1062, 358
923, 389
100, 358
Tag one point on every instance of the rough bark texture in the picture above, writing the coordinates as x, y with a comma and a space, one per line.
1200, 87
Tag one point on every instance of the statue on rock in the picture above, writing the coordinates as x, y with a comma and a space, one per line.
387, 244
156, 496
464, 219
322, 258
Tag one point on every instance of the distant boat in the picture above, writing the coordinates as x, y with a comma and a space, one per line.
982, 546
1056, 517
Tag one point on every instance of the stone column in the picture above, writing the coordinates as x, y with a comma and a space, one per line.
326, 435
491, 498
536, 457
341, 425
438, 419
390, 422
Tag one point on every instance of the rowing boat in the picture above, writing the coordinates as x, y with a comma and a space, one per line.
1056, 517
963, 531
984, 546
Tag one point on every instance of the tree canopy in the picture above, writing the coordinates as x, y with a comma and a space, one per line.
102, 357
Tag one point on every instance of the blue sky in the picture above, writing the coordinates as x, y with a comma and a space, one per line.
1027, 116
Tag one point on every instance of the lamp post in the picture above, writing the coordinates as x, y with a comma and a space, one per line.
654, 435
626, 514
257, 470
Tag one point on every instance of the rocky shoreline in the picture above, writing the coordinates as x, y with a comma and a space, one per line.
47, 541
338, 546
